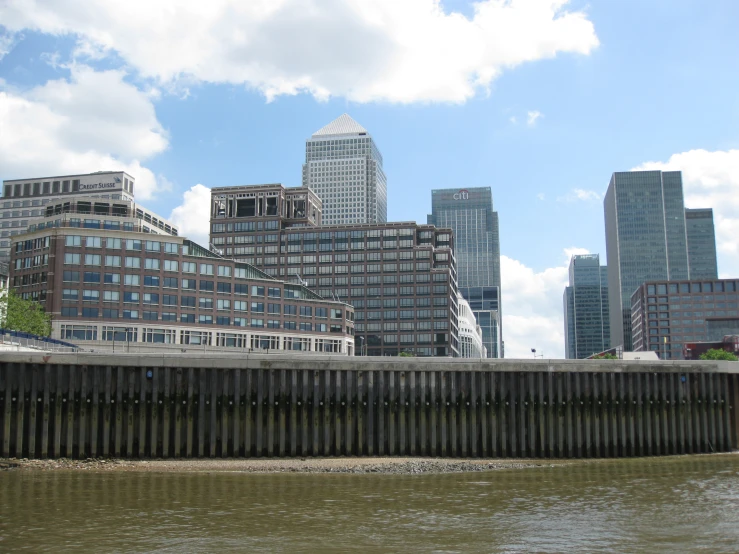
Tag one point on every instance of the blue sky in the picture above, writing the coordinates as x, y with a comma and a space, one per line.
220, 94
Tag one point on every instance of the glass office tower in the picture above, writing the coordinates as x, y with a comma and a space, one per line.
344, 168
586, 308
701, 244
469, 213
646, 239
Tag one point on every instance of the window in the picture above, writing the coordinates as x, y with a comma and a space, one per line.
113, 244
206, 269
205, 319
169, 316
206, 286
153, 246
130, 314
132, 280
70, 294
306, 326
224, 271
69, 311
151, 280
322, 312
151, 298
94, 242
110, 313
133, 262
92, 259
273, 308
111, 296
91, 277
113, 261
274, 292
224, 288
171, 248
150, 263
187, 318
72, 259
132, 244
189, 284
171, 282
240, 305
223, 304
154, 316
306, 311
131, 297
205, 303
171, 265
112, 278
73, 240
257, 291
188, 267
187, 301
257, 307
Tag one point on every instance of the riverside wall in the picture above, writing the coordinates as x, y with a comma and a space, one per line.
285, 405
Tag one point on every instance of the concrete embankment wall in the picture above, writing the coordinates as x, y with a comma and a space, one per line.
86, 405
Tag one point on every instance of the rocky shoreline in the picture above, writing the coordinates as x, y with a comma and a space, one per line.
393, 466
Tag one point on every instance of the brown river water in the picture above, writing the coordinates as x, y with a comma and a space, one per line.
685, 504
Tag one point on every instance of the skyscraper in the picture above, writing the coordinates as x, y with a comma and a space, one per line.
469, 213
586, 308
701, 244
646, 239
344, 168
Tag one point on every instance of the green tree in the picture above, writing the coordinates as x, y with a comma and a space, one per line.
605, 357
406, 355
25, 315
718, 354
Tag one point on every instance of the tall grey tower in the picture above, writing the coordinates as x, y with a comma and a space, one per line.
344, 168
469, 213
646, 239
701, 244
586, 308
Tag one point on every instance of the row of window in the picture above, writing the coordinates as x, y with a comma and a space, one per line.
201, 319
404, 314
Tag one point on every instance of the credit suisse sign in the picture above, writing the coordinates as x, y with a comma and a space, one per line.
463, 194
114, 183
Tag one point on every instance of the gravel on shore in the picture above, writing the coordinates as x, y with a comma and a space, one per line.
377, 465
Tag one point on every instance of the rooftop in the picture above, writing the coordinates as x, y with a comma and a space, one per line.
342, 125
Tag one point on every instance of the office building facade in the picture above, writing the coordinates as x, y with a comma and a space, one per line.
400, 277
469, 213
343, 166
105, 285
666, 315
26, 201
585, 302
646, 239
470, 333
702, 259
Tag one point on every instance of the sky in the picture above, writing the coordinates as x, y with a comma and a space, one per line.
541, 100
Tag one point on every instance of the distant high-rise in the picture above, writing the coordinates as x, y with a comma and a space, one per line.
646, 239
469, 213
701, 244
344, 168
586, 308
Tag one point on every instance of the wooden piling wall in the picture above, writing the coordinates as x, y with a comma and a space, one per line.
82, 410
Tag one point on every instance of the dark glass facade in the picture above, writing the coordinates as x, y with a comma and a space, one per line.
667, 314
469, 213
586, 308
701, 244
645, 239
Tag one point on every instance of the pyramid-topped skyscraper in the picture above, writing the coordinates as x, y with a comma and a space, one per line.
344, 168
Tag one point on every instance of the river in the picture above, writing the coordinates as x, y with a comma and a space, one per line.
683, 504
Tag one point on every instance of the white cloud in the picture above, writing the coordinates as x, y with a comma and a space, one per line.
532, 307
92, 121
7, 42
541, 196
364, 50
193, 215
581, 195
513, 119
711, 180
532, 117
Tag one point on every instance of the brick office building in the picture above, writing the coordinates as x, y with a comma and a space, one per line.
102, 284
666, 315
400, 277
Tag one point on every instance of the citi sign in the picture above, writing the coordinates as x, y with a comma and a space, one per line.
462, 195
